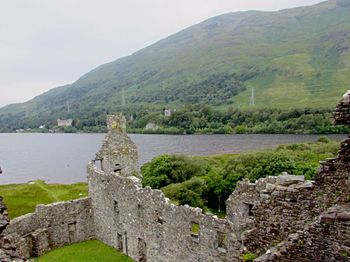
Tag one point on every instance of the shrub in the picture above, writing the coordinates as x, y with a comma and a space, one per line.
165, 169
323, 139
241, 129
248, 257
189, 192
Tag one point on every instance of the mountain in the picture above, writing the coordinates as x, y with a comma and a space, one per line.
292, 58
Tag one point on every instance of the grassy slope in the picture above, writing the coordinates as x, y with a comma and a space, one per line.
300, 58
89, 251
23, 198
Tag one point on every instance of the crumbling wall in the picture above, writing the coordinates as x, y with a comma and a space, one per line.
118, 152
326, 239
143, 224
277, 206
51, 226
8, 251
265, 213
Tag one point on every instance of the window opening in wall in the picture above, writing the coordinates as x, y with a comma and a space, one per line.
117, 168
99, 160
120, 242
116, 207
72, 232
126, 243
142, 248
139, 211
159, 218
249, 209
195, 228
221, 238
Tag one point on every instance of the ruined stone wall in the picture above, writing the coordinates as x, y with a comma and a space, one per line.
8, 251
143, 224
51, 226
118, 152
326, 239
266, 212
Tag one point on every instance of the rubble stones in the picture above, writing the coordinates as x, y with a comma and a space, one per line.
287, 180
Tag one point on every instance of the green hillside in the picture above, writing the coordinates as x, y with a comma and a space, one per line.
293, 58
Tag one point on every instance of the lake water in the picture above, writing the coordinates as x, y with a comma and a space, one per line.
62, 158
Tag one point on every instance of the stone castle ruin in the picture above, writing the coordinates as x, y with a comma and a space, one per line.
280, 218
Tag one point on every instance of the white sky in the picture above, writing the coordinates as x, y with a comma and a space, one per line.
47, 43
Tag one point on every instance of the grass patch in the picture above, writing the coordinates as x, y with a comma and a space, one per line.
248, 257
92, 250
195, 228
23, 198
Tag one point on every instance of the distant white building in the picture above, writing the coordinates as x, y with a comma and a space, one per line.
169, 112
42, 127
64, 122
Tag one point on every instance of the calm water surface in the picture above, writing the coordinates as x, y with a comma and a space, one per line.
62, 158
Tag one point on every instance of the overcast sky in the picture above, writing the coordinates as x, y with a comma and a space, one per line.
48, 43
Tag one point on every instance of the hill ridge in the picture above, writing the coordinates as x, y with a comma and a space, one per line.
293, 58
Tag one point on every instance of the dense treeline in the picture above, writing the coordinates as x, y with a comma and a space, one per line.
200, 120
205, 120
207, 182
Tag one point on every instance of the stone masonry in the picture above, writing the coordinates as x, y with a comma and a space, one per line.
50, 227
8, 251
279, 218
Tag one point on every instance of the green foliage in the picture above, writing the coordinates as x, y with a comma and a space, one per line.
190, 192
195, 228
92, 250
257, 165
240, 129
208, 181
292, 59
205, 120
23, 198
166, 169
324, 139
248, 257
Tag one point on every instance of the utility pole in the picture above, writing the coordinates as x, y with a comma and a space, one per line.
252, 99
123, 98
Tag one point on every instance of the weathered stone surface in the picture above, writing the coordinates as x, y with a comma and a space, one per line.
325, 239
144, 225
342, 112
287, 180
51, 226
8, 252
118, 153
